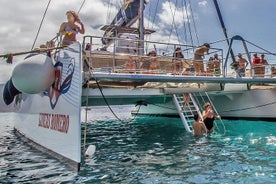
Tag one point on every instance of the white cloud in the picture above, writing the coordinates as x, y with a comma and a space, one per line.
203, 3
172, 13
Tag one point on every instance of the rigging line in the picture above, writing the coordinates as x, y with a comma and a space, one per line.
184, 24
81, 6
218, 41
149, 15
108, 12
188, 22
154, 16
41, 24
260, 48
155, 13
173, 14
193, 19
173, 23
178, 38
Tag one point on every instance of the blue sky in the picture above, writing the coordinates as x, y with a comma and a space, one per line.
252, 19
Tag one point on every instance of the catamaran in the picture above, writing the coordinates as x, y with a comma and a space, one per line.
114, 70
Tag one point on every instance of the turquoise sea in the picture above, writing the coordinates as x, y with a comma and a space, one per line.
148, 150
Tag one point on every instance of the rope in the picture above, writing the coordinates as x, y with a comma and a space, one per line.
81, 6
189, 26
106, 102
193, 19
41, 24
173, 14
260, 48
154, 17
29, 52
253, 107
174, 24
184, 24
108, 12
218, 41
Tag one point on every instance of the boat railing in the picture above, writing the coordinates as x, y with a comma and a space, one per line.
158, 58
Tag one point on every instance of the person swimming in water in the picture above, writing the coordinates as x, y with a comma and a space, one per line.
71, 28
209, 117
199, 127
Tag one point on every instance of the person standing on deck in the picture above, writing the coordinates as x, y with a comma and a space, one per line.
216, 62
198, 57
199, 127
259, 69
263, 61
71, 28
242, 64
177, 65
256, 59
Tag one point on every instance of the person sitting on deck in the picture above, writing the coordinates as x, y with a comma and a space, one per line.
150, 63
177, 64
209, 117
242, 64
198, 57
199, 127
70, 29
130, 64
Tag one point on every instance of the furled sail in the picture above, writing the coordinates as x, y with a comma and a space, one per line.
126, 17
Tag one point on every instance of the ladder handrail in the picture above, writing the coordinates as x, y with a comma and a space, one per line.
179, 110
196, 106
216, 112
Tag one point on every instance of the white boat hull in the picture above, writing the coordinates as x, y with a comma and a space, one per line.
249, 104
51, 119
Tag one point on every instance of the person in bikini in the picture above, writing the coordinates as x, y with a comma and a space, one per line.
199, 56
71, 28
209, 117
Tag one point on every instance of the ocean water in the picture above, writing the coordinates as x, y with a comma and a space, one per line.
148, 150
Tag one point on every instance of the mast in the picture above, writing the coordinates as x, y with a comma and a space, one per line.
223, 28
141, 28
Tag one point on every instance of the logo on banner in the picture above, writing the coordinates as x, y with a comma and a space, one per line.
63, 79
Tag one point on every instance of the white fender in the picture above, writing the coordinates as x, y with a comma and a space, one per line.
34, 75
90, 151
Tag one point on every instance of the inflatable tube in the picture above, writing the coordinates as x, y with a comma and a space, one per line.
9, 92
34, 75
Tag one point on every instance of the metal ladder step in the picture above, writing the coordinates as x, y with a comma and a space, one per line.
187, 111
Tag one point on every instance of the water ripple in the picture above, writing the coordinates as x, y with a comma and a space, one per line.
149, 150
